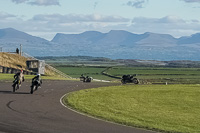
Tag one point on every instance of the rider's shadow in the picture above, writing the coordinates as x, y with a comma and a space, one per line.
10, 92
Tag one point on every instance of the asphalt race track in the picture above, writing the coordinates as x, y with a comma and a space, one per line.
42, 112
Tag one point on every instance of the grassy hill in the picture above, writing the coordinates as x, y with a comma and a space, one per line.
13, 60
17, 61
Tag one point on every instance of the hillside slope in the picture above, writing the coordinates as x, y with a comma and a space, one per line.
12, 60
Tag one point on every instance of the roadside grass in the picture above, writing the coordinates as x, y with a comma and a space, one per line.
165, 108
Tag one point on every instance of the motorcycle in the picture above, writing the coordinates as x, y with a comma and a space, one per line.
85, 79
16, 85
34, 86
129, 79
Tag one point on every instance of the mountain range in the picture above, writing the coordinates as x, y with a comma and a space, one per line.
116, 44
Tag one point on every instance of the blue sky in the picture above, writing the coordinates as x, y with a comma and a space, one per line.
45, 18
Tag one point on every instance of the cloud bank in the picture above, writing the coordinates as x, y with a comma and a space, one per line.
38, 2
77, 23
191, 1
74, 18
6, 16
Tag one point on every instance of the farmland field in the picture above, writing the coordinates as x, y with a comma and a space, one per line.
160, 75
144, 74
148, 72
76, 72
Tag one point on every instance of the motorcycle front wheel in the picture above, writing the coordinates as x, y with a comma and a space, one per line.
32, 87
135, 81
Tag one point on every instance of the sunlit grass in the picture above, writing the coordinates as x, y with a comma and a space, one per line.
173, 108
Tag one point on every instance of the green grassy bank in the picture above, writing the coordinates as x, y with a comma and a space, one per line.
167, 108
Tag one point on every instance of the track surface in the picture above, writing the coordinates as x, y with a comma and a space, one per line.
41, 112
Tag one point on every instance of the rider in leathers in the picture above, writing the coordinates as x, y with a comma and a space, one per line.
19, 78
37, 80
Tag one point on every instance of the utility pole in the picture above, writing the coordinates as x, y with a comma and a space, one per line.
21, 49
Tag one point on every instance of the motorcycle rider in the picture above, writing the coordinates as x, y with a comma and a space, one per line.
37, 80
19, 78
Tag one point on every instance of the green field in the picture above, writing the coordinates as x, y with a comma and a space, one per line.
159, 75
76, 72
169, 108
146, 75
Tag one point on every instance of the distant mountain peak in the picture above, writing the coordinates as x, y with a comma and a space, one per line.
193, 39
114, 44
11, 33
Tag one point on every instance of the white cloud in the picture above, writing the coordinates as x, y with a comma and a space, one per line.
19, 1
137, 3
191, 1
166, 20
73, 18
171, 19
77, 23
4, 16
38, 2
44, 2
167, 25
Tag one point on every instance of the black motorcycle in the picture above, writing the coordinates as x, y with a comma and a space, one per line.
129, 79
85, 78
16, 85
34, 86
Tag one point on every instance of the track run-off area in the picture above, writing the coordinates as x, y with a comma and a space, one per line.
42, 112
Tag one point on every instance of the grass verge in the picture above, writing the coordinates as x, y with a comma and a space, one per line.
167, 108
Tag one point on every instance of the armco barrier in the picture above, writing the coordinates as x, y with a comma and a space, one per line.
4, 70
1, 69
14, 71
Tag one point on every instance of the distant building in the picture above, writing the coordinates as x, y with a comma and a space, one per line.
37, 66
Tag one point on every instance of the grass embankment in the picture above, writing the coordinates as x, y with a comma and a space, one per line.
13, 60
170, 108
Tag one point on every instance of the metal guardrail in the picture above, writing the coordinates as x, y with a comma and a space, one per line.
57, 71
28, 56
